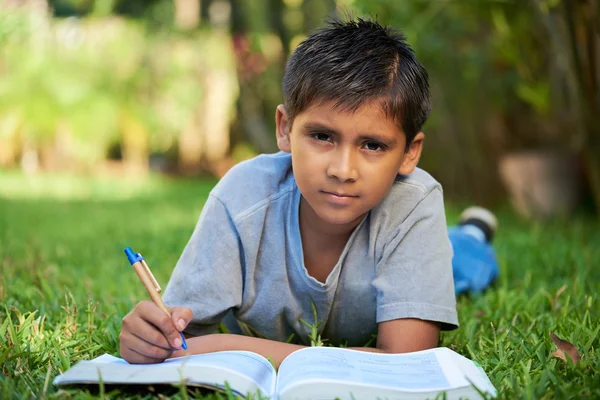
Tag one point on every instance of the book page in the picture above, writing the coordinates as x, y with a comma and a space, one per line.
474, 374
244, 371
246, 363
420, 371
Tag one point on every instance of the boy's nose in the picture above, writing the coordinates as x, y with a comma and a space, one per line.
343, 167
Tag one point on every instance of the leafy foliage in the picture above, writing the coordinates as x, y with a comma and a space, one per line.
93, 83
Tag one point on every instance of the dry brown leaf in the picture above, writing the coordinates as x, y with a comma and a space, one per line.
565, 347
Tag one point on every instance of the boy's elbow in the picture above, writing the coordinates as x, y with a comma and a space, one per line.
407, 335
406, 347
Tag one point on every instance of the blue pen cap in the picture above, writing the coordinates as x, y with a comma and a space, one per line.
132, 257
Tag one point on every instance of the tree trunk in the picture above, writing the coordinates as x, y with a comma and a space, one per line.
276, 11
191, 143
9, 140
187, 14
573, 31
582, 20
134, 145
592, 162
220, 91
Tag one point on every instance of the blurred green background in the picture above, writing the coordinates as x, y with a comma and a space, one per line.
117, 117
189, 87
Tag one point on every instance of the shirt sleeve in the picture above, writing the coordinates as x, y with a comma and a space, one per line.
208, 276
413, 278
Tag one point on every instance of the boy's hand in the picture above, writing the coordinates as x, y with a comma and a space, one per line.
148, 335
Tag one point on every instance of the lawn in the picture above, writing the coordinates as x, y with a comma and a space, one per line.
65, 284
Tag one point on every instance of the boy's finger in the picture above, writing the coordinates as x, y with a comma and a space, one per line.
181, 317
151, 352
137, 351
159, 327
136, 325
135, 358
153, 335
168, 329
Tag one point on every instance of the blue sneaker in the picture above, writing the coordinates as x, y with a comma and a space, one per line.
474, 264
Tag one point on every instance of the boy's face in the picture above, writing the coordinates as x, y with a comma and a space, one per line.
345, 163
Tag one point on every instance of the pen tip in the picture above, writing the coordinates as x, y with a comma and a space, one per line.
183, 342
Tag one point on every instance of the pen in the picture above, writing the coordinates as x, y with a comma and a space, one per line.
152, 287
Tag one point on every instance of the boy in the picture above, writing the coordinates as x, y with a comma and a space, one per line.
340, 220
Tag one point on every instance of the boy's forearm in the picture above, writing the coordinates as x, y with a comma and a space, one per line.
271, 349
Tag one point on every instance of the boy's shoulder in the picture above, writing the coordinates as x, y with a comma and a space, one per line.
420, 181
417, 193
254, 181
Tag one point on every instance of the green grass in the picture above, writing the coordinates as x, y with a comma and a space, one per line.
65, 285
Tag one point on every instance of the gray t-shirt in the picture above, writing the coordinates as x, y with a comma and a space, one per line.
244, 261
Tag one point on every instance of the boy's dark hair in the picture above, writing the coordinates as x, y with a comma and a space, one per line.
355, 62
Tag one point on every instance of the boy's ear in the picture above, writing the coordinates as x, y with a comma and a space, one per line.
282, 130
412, 156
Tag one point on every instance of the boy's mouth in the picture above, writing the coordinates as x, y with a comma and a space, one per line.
339, 197
339, 194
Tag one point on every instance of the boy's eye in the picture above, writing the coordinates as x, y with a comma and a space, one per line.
373, 146
321, 137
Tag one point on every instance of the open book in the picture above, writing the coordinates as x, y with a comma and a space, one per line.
310, 373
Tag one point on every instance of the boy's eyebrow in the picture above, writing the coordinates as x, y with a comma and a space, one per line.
317, 126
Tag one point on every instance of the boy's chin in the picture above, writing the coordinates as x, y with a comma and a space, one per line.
340, 219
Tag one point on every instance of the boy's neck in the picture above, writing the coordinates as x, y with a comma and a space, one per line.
313, 226
322, 244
